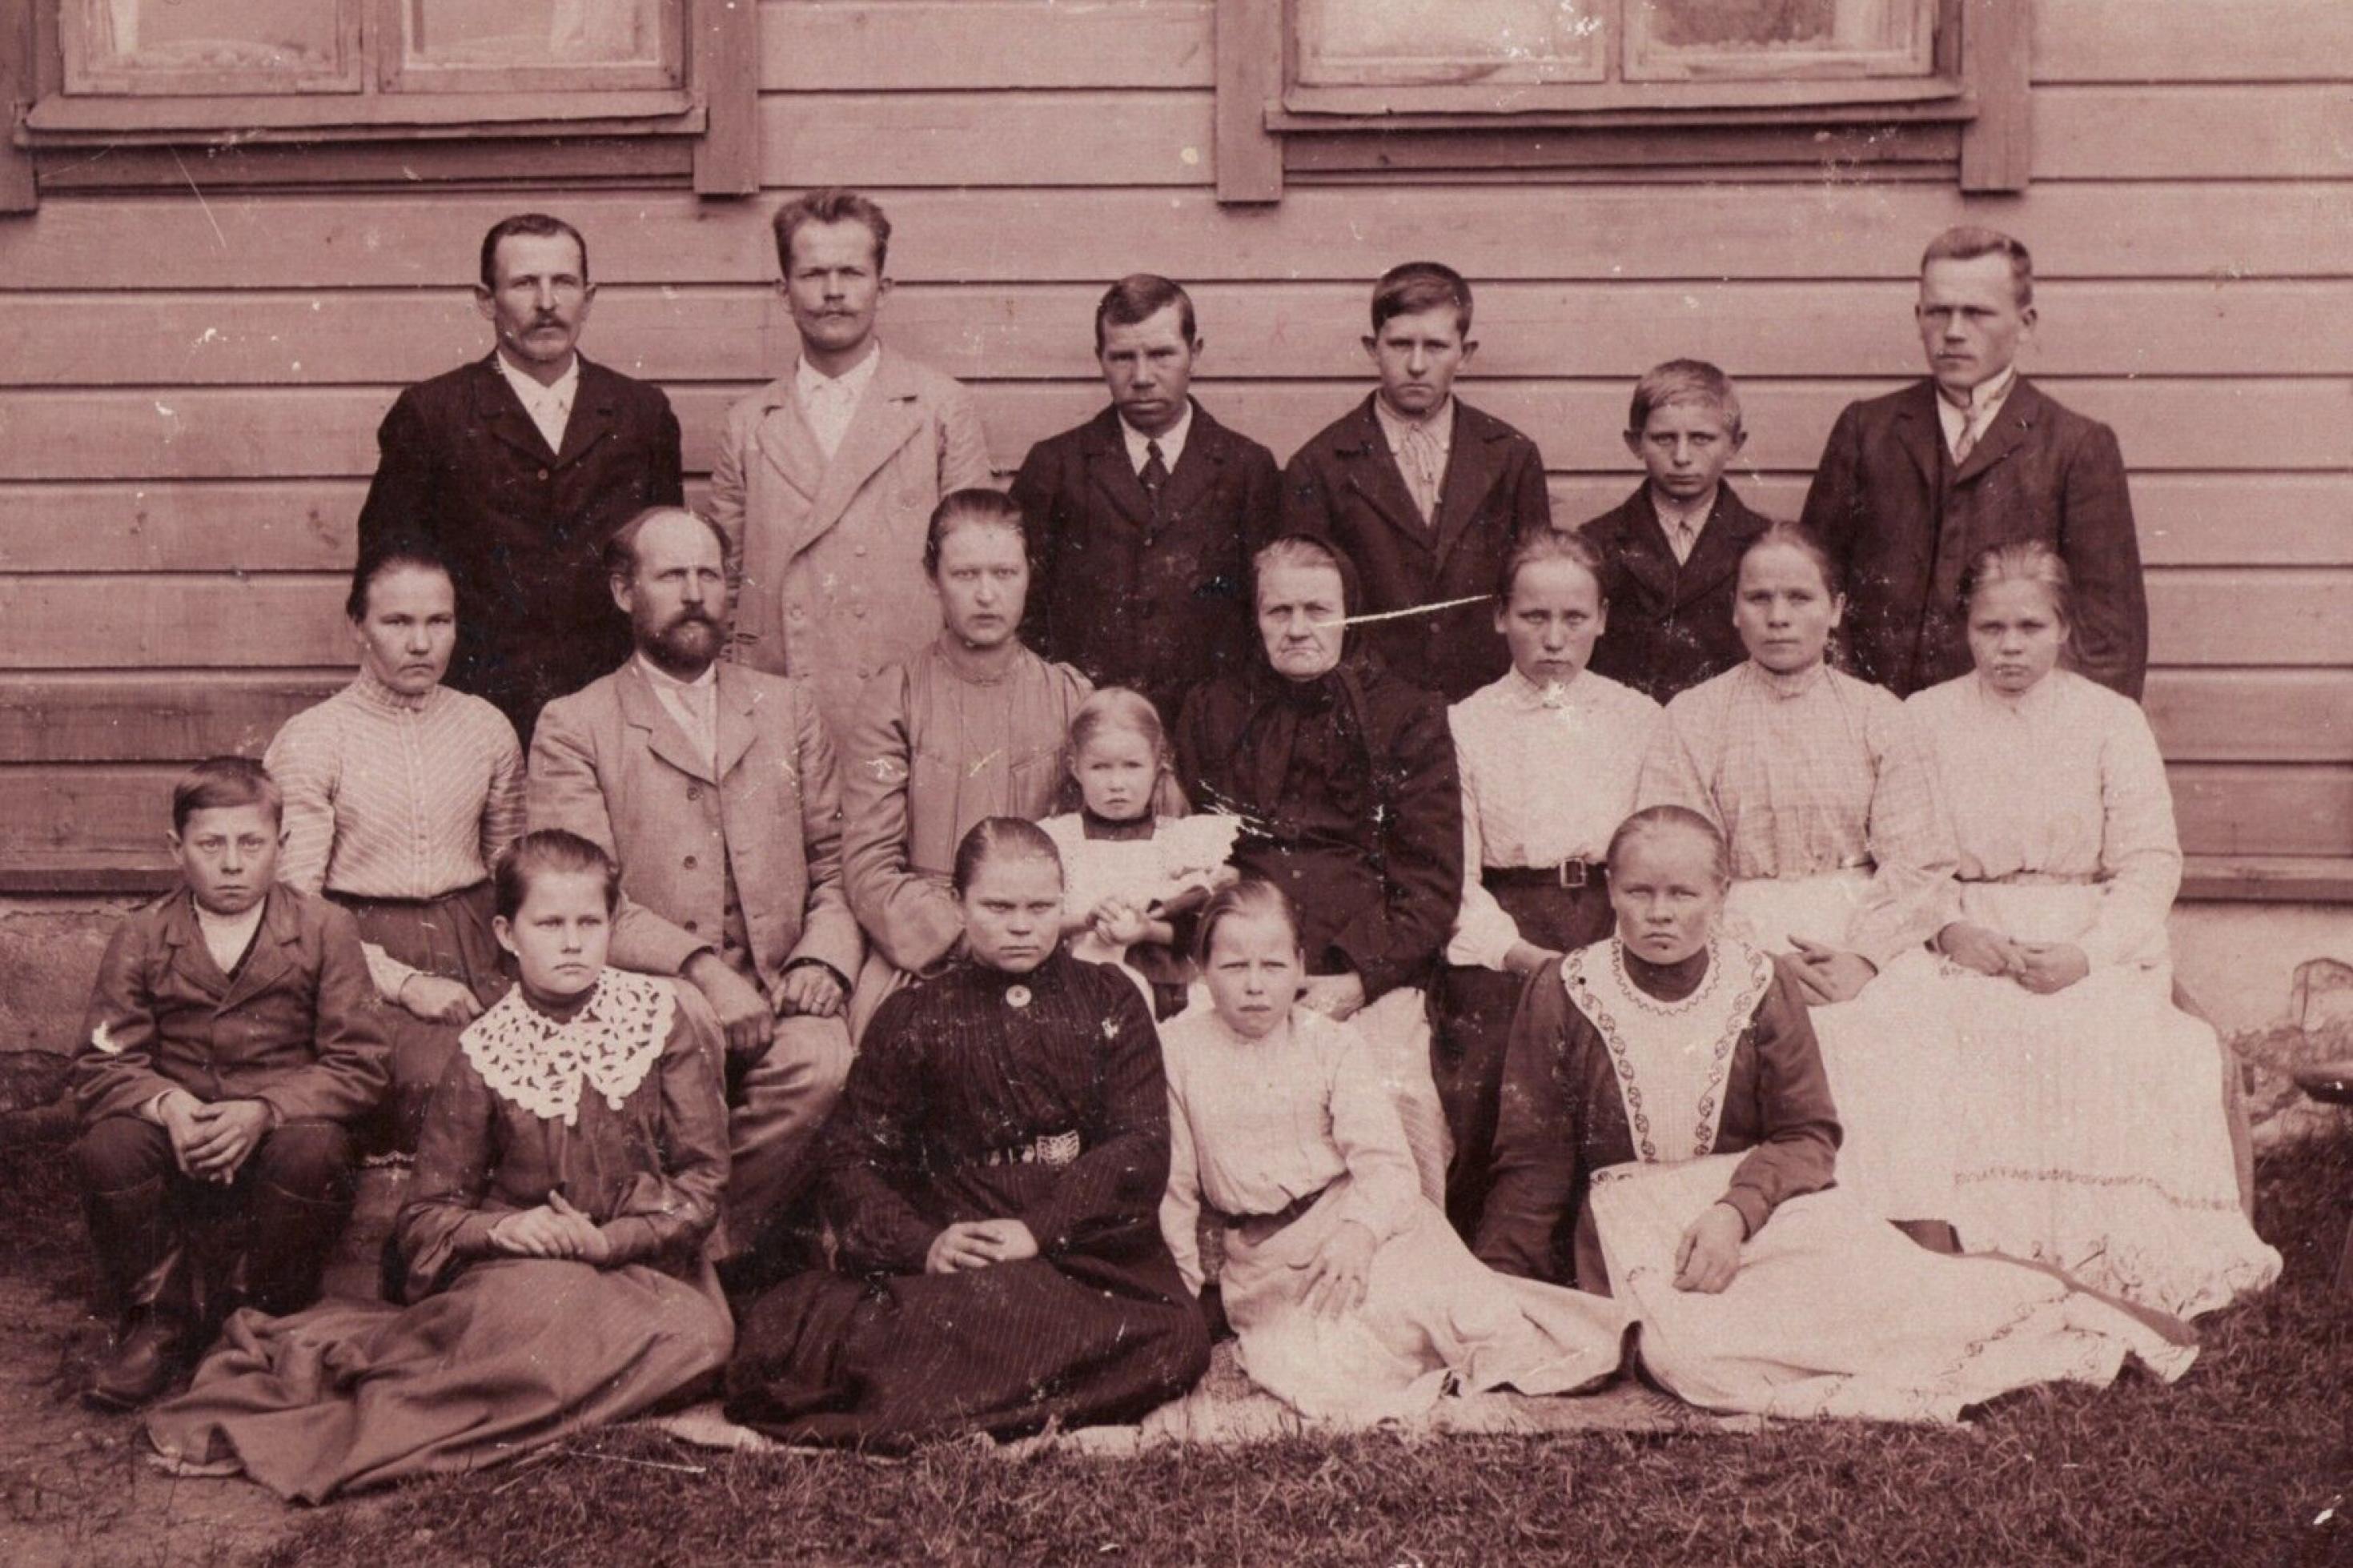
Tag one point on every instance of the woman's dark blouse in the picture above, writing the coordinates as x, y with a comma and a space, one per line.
952, 1071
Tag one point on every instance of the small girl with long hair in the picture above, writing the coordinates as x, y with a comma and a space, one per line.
1135, 864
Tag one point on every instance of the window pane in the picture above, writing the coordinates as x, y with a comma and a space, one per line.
1668, 38
532, 31
1391, 42
293, 37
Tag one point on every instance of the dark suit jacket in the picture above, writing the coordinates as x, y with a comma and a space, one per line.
1345, 487
1163, 609
296, 1027
1670, 621
463, 466
1904, 525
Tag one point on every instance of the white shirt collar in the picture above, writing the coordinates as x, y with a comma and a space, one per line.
1172, 443
850, 383
536, 396
1440, 423
1984, 403
663, 678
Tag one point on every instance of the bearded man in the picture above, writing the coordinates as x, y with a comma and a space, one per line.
714, 788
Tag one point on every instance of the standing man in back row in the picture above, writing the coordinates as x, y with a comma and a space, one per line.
1142, 519
517, 467
1914, 486
825, 477
1425, 494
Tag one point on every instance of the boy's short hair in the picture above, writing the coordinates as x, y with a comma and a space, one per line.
1966, 242
1412, 287
829, 204
1682, 380
222, 782
1138, 298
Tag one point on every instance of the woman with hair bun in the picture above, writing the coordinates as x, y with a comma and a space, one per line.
400, 795
2094, 1134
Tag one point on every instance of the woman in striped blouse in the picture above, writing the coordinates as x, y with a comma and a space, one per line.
400, 793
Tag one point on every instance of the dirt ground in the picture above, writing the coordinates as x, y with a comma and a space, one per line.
75, 1491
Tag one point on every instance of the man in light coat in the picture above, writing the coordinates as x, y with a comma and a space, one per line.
825, 477
713, 786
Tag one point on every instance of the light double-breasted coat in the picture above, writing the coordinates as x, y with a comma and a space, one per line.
831, 552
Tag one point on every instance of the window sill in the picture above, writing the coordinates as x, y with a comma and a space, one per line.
1311, 107
61, 121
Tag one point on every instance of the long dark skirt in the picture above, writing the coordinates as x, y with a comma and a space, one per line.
1474, 1019
450, 936
886, 1362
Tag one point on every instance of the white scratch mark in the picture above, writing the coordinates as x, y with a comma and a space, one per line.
218, 236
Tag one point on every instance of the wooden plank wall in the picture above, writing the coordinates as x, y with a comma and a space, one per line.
189, 382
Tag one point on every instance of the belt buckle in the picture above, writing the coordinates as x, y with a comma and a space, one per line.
1571, 873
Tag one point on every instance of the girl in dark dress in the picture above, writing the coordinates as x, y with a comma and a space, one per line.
994, 1173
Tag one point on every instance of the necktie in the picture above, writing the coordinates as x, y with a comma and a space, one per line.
1967, 440
1155, 476
1425, 466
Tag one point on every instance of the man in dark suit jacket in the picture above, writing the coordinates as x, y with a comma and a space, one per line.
1670, 619
1913, 486
517, 467
1142, 521
1426, 494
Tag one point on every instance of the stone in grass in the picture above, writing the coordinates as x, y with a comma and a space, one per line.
2319, 1031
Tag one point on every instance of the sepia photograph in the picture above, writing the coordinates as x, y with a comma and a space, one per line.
1326, 783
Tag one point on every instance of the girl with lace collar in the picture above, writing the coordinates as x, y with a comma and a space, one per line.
1664, 1095
552, 1251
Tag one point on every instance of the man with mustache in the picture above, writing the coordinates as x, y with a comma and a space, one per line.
713, 786
825, 477
1913, 486
516, 467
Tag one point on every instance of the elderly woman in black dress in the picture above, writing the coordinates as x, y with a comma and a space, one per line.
1344, 777
994, 1174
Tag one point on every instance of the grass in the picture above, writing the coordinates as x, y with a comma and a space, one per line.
2241, 1463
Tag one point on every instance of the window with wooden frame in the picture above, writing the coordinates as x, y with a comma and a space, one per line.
1352, 89
632, 87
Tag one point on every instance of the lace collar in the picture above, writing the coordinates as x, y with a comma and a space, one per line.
538, 1063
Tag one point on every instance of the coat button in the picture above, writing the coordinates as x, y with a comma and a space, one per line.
691, 926
858, 550
690, 862
694, 791
860, 611
542, 473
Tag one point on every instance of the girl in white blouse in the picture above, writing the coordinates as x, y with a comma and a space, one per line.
1549, 757
2094, 1135
1353, 1299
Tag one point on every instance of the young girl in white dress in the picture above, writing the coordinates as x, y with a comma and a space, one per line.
2093, 1130
1134, 866
1353, 1298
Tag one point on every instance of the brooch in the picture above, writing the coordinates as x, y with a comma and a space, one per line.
1017, 996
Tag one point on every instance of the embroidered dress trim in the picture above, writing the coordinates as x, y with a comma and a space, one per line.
1660, 1041
540, 1063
